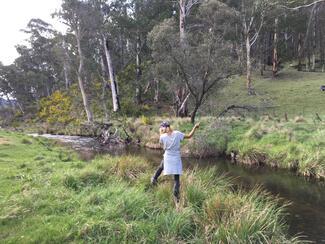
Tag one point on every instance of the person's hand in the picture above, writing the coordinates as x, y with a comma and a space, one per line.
197, 125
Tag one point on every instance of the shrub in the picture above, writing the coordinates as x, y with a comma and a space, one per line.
56, 108
211, 141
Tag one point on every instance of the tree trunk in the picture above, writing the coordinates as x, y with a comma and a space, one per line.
270, 49
114, 88
286, 37
156, 97
182, 16
299, 51
307, 41
138, 71
193, 114
241, 58
313, 66
307, 58
275, 49
66, 66
104, 83
66, 76
181, 102
248, 67
181, 91
261, 55
81, 81
321, 48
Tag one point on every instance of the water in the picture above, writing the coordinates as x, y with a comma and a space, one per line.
306, 214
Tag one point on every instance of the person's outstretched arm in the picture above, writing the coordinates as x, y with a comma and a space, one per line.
197, 125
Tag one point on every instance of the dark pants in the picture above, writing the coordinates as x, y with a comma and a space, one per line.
177, 183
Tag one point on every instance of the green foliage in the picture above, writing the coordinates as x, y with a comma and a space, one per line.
56, 108
110, 200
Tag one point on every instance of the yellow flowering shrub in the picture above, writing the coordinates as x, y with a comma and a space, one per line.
56, 108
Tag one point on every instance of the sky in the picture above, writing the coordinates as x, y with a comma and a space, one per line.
14, 16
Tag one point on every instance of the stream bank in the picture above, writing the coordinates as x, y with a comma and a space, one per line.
307, 209
51, 196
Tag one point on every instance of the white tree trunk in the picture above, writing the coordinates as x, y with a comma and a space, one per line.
66, 65
104, 83
313, 67
275, 48
114, 88
248, 66
156, 98
138, 70
182, 16
81, 81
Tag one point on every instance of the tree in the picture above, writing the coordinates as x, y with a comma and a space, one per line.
78, 16
207, 62
104, 22
252, 15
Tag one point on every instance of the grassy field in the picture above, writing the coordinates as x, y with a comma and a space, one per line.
292, 92
49, 196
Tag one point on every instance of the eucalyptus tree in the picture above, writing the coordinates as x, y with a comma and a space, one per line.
80, 18
252, 16
208, 61
102, 10
13, 85
144, 15
5, 88
34, 73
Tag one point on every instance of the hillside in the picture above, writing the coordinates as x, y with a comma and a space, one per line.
292, 92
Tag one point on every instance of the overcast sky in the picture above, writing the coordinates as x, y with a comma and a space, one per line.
14, 16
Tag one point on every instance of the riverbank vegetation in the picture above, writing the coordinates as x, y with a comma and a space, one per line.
295, 144
48, 195
110, 75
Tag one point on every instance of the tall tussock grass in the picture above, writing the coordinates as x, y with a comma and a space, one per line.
110, 200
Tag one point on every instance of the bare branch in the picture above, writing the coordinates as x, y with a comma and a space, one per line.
184, 102
215, 81
254, 38
184, 76
302, 6
308, 28
250, 23
190, 4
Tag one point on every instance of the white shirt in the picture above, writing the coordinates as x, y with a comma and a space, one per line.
172, 156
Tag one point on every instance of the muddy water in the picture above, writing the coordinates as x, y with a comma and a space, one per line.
306, 214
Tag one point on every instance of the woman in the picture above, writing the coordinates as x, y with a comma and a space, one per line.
172, 163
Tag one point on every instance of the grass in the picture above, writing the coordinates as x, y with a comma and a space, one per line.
293, 145
110, 200
292, 92
296, 144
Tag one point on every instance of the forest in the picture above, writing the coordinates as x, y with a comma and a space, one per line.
132, 57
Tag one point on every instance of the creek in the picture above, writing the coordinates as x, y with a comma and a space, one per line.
306, 212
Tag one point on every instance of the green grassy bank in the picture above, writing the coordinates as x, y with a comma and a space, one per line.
49, 196
297, 144
291, 92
